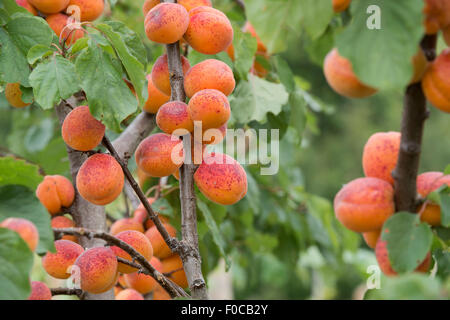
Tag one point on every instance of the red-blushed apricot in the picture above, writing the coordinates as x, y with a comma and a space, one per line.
436, 83
64, 222
58, 264
221, 179
173, 116
149, 5
420, 64
125, 224
140, 214
166, 23
437, 15
340, 5
13, 94
192, 4
40, 291
156, 98
380, 155
364, 204
381, 253
159, 155
215, 136
55, 192
160, 293
174, 267
49, 6
211, 107
90, 10
25, 228
371, 238
81, 131
209, 31
97, 269
161, 76
160, 249
141, 282
129, 294
59, 23
25, 4
261, 47
139, 242
209, 74
427, 183
340, 76
100, 179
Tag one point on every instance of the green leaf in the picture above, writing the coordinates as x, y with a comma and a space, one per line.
284, 73
442, 258
315, 15
13, 63
163, 206
19, 172
38, 52
260, 242
244, 51
447, 170
11, 7
408, 241
16, 261
29, 31
54, 80
298, 117
38, 136
445, 208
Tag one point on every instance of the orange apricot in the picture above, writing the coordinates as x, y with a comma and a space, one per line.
96, 269
340, 5
261, 47
55, 192
437, 15
100, 179
173, 116
156, 98
40, 291
215, 136
231, 52
140, 214
371, 238
174, 266
129, 294
364, 204
161, 76
192, 4
141, 282
149, 5
211, 107
209, 74
160, 293
166, 23
64, 222
340, 76
60, 24
49, 6
125, 224
426, 183
435, 82
160, 248
25, 228
139, 242
159, 155
221, 179
58, 264
90, 10
13, 94
25, 4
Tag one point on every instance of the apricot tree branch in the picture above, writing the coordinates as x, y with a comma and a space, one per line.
67, 291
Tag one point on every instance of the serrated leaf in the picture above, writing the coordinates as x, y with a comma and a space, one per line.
244, 51
27, 32
13, 64
38, 52
19, 172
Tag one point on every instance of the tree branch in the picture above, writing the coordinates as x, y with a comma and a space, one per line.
67, 291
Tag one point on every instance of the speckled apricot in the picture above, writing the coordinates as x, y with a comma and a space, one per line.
340, 5
436, 83
58, 22
437, 15
174, 116
160, 73
58, 264
364, 204
340, 76
139, 242
371, 238
140, 214
174, 266
55, 192
49, 6
192, 4
215, 136
100, 179
125, 224
64, 222
40, 291
427, 183
156, 98
25, 228
90, 10
160, 249
141, 282
221, 179
166, 23
25, 4
129, 294
13, 94
211, 107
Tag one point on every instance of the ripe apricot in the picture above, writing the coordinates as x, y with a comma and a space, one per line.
25, 4
159, 155
221, 179
141, 282
437, 15
140, 214
59, 22
139, 242
192, 4
340, 5
55, 192
381, 254
40, 291
173, 116
211, 107
97, 269
209, 74
57, 264
166, 23
435, 82
160, 248
25, 228
380, 155
215, 136
371, 238
161, 76
160, 293
13, 94
129, 294
174, 266
156, 98
364, 204
340, 76
231, 52
125, 224
100, 179
81, 131
90, 10
49, 6
64, 222
427, 183
209, 31
149, 5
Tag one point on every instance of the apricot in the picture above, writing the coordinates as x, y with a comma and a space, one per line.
437, 15
160, 248
139, 242
90, 10
211, 107
381, 253
215, 136
49, 6
13, 94
55, 192
125, 224
209, 74
59, 22
174, 266
221, 179
25, 228
64, 222
100, 179
140, 214
160, 293
166, 23
25, 4
129, 294
261, 47
161, 76
231, 52
371, 238
159, 155
209, 31
340, 5
192, 4
420, 64
364, 204
57, 264
173, 116
141, 282
258, 69
340, 76
427, 183
435, 82
380, 155
149, 5
81, 131
40, 291
142, 177
156, 98
97, 269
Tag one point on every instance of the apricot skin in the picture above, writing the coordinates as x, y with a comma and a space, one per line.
139, 242
437, 15
160, 249
125, 224
160, 293
25, 4
221, 179
192, 4
97, 269
340, 5
420, 64
156, 98
215, 136
129, 294
141, 282
435, 82
211, 107
49, 6
100, 179
166, 23
427, 183
57, 264
209, 74
64, 222
161, 76
173, 116
58, 22
371, 238
364, 204
171, 264
13, 94
90, 10
26, 230
340, 76
40, 291
149, 5
55, 192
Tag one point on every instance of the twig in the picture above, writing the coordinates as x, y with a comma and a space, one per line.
67, 291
